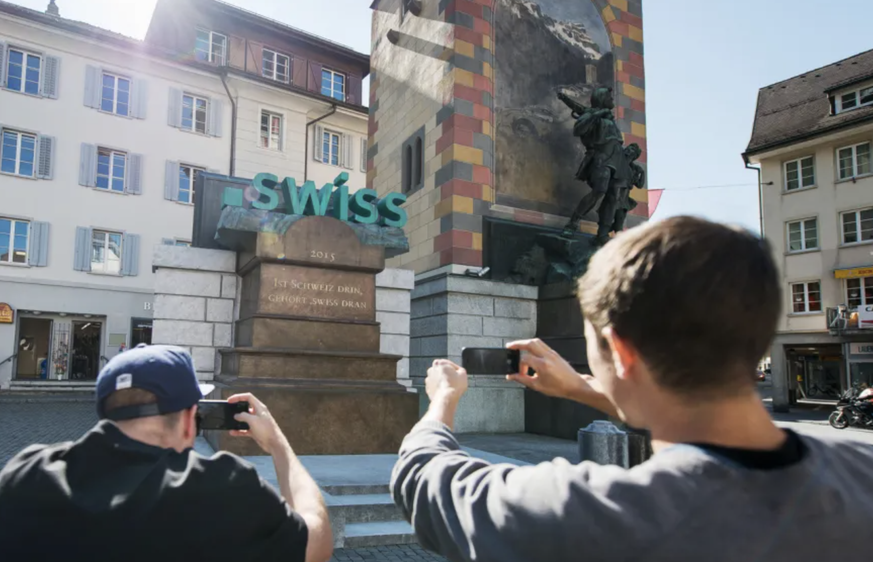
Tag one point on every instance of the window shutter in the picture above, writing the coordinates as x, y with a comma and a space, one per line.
50, 77
171, 181
88, 165
2, 63
174, 111
216, 112
318, 145
45, 157
314, 77
346, 149
39, 238
168, 242
133, 185
364, 155
93, 85
139, 98
353, 89
130, 255
82, 255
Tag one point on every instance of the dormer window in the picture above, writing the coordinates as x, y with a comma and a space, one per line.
854, 100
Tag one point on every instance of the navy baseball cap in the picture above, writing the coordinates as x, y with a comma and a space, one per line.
164, 370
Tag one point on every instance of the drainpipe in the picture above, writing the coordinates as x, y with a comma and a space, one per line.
760, 194
232, 123
306, 142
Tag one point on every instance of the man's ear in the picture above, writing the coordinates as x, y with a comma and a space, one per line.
624, 356
190, 422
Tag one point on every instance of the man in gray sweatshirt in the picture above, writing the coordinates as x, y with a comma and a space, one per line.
678, 314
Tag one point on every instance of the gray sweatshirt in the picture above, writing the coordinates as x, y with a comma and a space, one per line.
686, 503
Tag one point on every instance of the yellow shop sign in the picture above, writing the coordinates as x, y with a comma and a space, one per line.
854, 273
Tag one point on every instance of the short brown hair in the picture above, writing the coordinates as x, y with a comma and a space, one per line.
699, 301
138, 397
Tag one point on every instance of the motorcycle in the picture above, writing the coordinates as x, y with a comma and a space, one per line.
849, 412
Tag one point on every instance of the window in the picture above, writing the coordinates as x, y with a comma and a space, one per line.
18, 153
800, 173
413, 163
13, 240
333, 84
106, 252
854, 100
806, 297
182, 243
276, 66
803, 235
116, 95
187, 177
210, 47
111, 169
271, 130
331, 148
194, 112
857, 226
859, 292
854, 161
23, 71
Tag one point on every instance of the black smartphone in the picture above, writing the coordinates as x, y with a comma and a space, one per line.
490, 360
218, 415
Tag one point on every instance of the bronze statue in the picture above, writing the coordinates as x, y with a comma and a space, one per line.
637, 178
605, 168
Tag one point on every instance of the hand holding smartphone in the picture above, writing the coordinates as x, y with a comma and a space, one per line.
219, 415
490, 360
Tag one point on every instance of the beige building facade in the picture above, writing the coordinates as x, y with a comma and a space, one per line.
812, 141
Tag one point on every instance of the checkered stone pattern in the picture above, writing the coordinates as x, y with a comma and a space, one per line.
405, 553
445, 225
46, 420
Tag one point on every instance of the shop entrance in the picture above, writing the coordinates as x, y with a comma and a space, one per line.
140, 331
34, 343
817, 371
85, 360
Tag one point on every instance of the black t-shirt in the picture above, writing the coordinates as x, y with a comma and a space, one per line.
791, 452
107, 498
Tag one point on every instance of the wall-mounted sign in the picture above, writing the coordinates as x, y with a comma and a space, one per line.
861, 348
7, 315
855, 273
363, 206
865, 316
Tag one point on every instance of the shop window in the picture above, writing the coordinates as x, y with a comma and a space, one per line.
859, 292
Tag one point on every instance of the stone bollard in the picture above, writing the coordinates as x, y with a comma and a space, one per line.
639, 444
603, 443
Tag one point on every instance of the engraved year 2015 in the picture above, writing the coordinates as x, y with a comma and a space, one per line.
328, 256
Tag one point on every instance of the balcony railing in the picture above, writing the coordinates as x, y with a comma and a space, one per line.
844, 320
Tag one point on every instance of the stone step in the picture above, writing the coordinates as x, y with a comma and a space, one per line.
273, 363
263, 331
364, 508
42, 386
381, 533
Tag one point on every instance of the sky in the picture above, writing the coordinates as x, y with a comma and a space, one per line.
705, 62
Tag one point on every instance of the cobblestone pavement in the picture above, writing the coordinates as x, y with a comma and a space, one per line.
406, 553
44, 420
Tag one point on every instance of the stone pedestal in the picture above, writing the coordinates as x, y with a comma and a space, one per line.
307, 343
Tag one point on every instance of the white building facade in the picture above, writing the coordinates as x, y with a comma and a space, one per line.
101, 137
812, 140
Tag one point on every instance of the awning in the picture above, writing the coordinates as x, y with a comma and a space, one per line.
854, 273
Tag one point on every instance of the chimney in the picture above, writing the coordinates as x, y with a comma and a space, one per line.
53, 10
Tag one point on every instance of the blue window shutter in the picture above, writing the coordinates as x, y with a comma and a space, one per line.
2, 64
171, 181
130, 255
45, 157
216, 113
168, 242
346, 152
93, 86
82, 255
174, 108
318, 144
138, 98
133, 185
39, 240
88, 165
50, 77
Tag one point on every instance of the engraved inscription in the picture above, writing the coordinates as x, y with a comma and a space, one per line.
326, 294
319, 255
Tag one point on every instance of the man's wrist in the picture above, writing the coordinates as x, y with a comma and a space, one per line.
442, 408
279, 445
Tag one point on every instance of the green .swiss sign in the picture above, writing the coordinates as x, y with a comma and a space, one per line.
364, 206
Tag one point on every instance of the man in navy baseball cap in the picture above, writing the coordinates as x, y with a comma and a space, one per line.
133, 488
165, 371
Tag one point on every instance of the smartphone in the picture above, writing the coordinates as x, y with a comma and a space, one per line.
218, 415
490, 360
